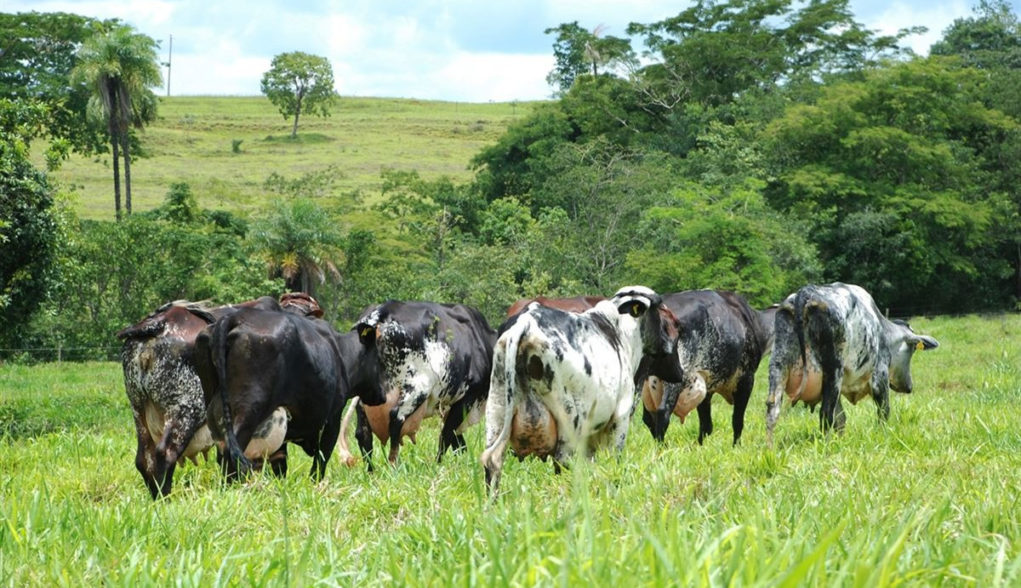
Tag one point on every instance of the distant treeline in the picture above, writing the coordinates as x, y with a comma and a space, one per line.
752, 145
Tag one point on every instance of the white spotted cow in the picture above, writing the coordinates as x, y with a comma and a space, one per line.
832, 340
433, 359
564, 381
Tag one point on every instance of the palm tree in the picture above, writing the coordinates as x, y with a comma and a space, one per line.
120, 66
300, 243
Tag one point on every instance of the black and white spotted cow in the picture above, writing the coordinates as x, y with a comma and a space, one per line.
434, 359
165, 392
832, 340
564, 381
721, 343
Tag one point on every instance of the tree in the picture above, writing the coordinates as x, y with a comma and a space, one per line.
905, 177
579, 52
28, 225
299, 83
39, 52
712, 52
989, 40
300, 242
725, 238
121, 66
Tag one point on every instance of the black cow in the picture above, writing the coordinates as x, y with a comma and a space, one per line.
832, 340
721, 343
432, 359
276, 375
165, 392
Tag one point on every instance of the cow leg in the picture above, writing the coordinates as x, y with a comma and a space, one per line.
705, 418
179, 427
146, 457
786, 353
741, 396
839, 417
449, 437
411, 400
881, 393
363, 434
831, 407
499, 418
246, 421
324, 446
278, 462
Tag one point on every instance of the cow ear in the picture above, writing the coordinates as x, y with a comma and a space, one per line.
924, 342
634, 307
366, 334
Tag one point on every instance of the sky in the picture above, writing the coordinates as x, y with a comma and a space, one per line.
455, 50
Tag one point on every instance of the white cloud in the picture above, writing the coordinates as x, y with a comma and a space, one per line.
936, 16
431, 49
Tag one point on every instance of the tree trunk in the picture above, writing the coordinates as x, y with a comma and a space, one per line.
297, 113
127, 174
116, 176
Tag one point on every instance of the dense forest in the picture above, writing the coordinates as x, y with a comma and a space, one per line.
749, 145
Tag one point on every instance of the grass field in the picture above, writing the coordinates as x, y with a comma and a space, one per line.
931, 499
193, 142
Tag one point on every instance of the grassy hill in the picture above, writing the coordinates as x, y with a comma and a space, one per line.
193, 142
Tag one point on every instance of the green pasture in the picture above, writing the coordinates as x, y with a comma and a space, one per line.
193, 141
931, 499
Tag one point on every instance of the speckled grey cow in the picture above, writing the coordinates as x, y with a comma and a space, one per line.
832, 340
721, 344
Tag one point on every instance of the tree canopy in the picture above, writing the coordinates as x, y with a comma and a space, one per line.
299, 83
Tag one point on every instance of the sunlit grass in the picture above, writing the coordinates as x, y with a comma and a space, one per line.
931, 498
193, 142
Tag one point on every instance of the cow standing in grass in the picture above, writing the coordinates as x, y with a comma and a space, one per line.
721, 343
433, 359
832, 340
163, 388
564, 381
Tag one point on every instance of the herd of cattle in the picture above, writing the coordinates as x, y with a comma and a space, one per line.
559, 376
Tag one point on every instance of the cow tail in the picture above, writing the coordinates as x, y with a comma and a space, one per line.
234, 452
508, 364
343, 451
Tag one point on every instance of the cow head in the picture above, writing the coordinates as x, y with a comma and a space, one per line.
660, 330
902, 343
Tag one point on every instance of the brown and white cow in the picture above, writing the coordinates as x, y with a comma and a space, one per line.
563, 381
720, 346
832, 340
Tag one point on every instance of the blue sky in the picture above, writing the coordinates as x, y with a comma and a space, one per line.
463, 50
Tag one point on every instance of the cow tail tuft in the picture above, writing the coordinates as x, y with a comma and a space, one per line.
343, 451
